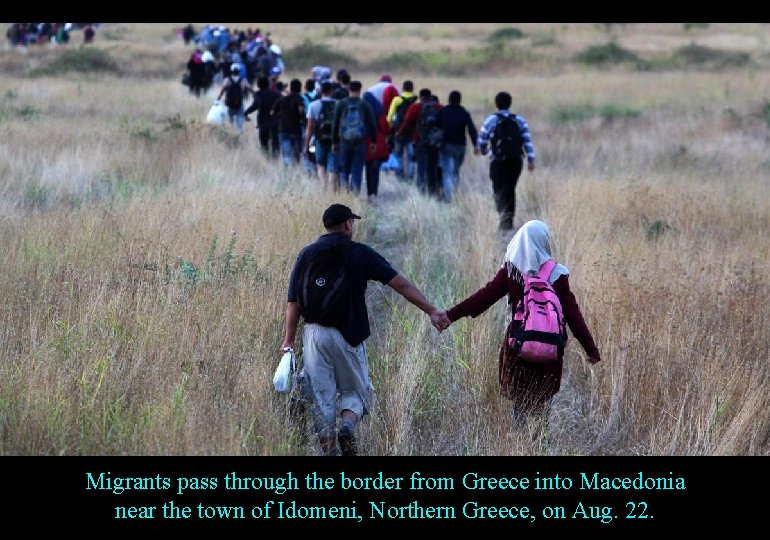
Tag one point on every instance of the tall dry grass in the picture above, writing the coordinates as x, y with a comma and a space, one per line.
147, 257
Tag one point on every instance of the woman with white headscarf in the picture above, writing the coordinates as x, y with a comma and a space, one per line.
529, 385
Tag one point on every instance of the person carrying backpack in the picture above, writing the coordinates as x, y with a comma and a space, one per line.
235, 89
506, 137
327, 289
529, 380
419, 120
354, 121
320, 121
400, 144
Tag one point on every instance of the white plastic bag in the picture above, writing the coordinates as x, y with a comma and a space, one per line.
283, 373
217, 113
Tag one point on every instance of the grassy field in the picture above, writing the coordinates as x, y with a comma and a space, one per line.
146, 254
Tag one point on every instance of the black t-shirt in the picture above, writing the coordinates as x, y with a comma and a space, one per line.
365, 264
288, 110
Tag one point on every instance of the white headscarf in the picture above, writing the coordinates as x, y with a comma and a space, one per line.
529, 249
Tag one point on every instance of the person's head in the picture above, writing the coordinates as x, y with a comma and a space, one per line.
529, 248
343, 73
503, 100
408, 86
326, 88
339, 218
385, 77
344, 79
355, 87
425, 94
295, 86
309, 85
263, 83
235, 69
454, 98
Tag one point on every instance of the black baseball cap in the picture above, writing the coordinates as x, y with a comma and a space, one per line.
336, 214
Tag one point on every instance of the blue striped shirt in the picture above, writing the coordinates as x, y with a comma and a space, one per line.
488, 127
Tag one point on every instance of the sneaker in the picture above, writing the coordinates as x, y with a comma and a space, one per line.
347, 442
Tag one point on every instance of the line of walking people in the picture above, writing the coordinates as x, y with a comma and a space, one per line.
345, 135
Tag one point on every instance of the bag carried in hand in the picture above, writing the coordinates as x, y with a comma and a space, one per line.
539, 332
217, 113
284, 373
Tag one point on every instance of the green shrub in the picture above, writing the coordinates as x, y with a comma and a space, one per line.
505, 34
573, 113
607, 54
691, 26
83, 60
699, 55
613, 111
308, 54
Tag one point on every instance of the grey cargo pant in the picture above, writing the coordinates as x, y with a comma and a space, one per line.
338, 374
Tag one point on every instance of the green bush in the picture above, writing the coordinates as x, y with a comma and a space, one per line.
607, 54
83, 60
505, 34
573, 113
613, 111
699, 55
691, 26
308, 54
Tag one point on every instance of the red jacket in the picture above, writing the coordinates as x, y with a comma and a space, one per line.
381, 151
412, 121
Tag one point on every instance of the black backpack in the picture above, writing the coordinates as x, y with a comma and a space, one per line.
323, 127
506, 141
400, 113
428, 114
233, 94
324, 287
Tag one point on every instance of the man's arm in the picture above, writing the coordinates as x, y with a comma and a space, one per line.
405, 288
292, 319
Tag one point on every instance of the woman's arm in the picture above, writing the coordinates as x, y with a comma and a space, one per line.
481, 300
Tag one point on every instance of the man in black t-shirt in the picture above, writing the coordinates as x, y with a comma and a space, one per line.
335, 356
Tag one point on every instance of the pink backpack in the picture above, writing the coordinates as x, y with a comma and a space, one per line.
542, 334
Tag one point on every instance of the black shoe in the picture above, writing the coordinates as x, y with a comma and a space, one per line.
347, 441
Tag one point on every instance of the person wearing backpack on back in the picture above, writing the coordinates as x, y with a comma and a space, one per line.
320, 121
398, 144
333, 343
507, 139
353, 122
420, 120
235, 89
529, 384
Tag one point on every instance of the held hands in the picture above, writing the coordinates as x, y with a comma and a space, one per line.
440, 320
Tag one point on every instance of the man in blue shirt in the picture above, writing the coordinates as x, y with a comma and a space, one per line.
336, 365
